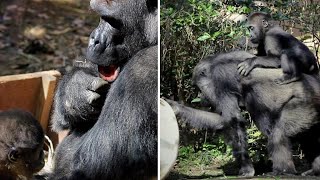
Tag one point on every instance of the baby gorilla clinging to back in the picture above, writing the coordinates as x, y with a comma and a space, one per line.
292, 55
21, 143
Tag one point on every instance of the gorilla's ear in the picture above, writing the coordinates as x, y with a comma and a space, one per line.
265, 23
13, 155
152, 5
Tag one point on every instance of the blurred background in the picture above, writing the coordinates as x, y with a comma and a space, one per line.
192, 29
37, 35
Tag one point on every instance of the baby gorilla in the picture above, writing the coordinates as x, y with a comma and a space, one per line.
21, 143
295, 57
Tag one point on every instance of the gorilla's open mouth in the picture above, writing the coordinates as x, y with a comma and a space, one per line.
109, 73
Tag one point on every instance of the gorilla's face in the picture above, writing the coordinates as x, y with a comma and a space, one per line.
202, 78
120, 34
256, 30
256, 33
33, 158
22, 162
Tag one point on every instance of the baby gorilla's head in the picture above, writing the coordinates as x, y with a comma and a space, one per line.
21, 143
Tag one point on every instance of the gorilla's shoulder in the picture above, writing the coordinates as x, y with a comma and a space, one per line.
147, 57
149, 52
276, 31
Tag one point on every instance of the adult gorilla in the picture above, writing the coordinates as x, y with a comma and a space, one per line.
281, 112
116, 139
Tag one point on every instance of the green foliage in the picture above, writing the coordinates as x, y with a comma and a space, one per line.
191, 30
257, 144
209, 153
196, 100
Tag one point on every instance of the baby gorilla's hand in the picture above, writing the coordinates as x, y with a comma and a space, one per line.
245, 67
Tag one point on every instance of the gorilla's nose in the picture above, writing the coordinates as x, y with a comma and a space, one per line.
97, 40
102, 44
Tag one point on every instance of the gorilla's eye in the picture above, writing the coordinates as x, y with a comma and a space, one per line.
202, 73
13, 155
250, 28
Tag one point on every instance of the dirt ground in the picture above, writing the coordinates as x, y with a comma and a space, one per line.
37, 35
222, 170
225, 168
215, 171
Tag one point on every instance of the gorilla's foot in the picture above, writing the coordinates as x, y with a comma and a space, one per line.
271, 174
284, 172
247, 171
308, 173
285, 79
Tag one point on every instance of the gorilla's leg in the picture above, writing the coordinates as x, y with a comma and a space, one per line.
230, 109
315, 171
296, 116
289, 65
316, 166
238, 140
235, 129
279, 146
231, 114
62, 157
263, 123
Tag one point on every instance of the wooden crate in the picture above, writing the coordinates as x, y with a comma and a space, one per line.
32, 92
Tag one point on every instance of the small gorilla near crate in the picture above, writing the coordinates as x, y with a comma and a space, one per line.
21, 145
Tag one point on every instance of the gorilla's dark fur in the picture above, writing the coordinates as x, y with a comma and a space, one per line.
281, 112
113, 125
21, 145
83, 108
197, 118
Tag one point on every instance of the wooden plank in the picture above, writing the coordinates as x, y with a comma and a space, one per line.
28, 75
46, 99
20, 93
32, 92
56, 138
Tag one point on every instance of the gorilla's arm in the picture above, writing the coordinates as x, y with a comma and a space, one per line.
126, 130
245, 67
197, 118
79, 97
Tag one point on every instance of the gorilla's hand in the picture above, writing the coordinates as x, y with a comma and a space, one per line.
174, 105
85, 94
245, 67
79, 99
